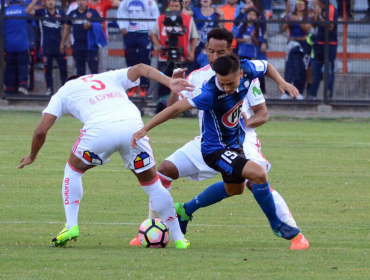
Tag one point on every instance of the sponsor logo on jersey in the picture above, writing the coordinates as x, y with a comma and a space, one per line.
222, 96
259, 65
195, 93
141, 160
256, 91
231, 118
92, 158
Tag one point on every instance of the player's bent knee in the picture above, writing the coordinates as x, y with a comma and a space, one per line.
234, 189
255, 173
168, 169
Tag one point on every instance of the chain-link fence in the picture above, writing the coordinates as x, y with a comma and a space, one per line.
35, 70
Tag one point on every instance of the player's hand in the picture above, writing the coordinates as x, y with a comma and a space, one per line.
87, 25
137, 136
179, 73
177, 85
244, 115
286, 87
124, 31
25, 161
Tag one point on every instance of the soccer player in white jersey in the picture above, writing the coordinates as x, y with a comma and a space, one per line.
188, 162
100, 102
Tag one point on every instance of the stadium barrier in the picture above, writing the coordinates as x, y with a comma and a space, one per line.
352, 71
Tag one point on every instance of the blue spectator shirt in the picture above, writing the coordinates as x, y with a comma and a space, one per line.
220, 125
296, 30
248, 49
203, 26
16, 37
77, 21
51, 29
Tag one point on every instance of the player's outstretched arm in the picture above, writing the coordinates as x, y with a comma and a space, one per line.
273, 74
38, 139
143, 70
168, 113
178, 73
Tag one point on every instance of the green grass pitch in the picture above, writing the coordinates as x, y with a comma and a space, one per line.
320, 167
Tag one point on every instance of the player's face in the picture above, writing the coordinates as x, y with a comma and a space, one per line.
174, 6
230, 83
82, 4
50, 4
217, 48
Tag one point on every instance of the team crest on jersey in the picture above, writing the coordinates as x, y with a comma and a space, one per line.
141, 160
231, 118
92, 158
58, 15
247, 83
88, 14
195, 93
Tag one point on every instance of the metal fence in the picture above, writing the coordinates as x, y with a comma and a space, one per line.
352, 64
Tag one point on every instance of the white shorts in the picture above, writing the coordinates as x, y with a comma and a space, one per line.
252, 151
189, 160
96, 144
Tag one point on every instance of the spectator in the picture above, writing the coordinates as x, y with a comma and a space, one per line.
267, 6
80, 23
187, 7
318, 60
183, 52
349, 10
291, 4
16, 49
135, 33
229, 11
297, 53
52, 35
249, 35
262, 48
367, 17
206, 18
102, 7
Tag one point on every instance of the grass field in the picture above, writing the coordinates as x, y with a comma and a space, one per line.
320, 167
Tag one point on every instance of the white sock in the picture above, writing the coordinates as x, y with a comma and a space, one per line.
72, 194
282, 209
152, 214
161, 202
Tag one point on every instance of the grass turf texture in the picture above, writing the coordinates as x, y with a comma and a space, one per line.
320, 167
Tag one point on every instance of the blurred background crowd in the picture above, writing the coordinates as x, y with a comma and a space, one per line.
309, 41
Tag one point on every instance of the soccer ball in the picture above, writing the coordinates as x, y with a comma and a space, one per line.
154, 233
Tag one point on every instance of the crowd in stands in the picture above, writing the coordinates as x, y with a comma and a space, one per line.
146, 25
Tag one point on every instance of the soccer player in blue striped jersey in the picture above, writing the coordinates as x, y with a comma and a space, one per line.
221, 99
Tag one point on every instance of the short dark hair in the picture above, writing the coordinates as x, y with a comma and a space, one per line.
221, 34
226, 65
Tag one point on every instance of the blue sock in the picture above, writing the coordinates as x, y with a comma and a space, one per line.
263, 196
211, 195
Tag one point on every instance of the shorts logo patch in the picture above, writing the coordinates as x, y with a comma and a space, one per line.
92, 158
141, 160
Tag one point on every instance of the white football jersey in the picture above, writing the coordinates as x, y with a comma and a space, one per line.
254, 96
96, 99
